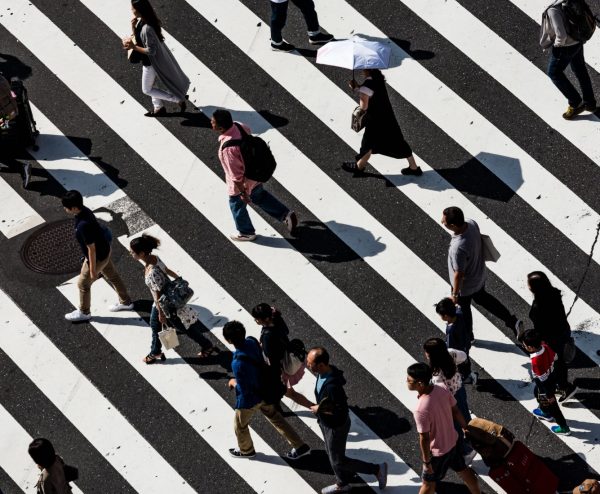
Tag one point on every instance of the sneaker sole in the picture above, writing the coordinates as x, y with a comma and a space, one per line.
545, 419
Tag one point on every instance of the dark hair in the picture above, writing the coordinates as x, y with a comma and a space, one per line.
235, 333
42, 452
321, 355
376, 74
264, 311
539, 282
420, 372
446, 307
148, 15
145, 244
72, 199
440, 359
223, 118
454, 216
532, 338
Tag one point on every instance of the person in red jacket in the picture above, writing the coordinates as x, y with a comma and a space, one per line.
544, 377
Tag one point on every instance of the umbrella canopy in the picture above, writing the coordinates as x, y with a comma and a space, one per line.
355, 53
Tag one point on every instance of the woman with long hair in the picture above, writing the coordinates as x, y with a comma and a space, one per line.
443, 362
157, 60
382, 133
274, 340
549, 319
156, 276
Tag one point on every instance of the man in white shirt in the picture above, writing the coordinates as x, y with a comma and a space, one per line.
279, 17
565, 51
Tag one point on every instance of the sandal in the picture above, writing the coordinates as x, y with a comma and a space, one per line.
150, 358
207, 353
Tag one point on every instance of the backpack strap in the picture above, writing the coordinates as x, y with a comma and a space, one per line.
235, 142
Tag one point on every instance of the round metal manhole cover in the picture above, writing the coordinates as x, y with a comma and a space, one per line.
53, 249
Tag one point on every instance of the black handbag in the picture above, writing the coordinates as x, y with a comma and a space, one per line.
71, 473
359, 119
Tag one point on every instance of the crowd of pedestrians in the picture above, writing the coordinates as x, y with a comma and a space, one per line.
266, 369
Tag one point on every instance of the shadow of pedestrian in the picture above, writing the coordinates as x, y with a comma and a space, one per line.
383, 422
258, 121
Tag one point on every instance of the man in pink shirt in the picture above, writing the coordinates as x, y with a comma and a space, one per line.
243, 191
434, 416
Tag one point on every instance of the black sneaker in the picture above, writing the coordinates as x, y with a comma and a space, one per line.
565, 394
295, 454
236, 453
573, 111
320, 39
417, 172
352, 167
283, 46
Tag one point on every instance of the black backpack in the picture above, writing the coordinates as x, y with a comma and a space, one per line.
259, 161
580, 21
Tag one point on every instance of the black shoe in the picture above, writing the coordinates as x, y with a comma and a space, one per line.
352, 167
417, 172
296, 454
236, 453
158, 113
320, 39
591, 107
283, 46
565, 394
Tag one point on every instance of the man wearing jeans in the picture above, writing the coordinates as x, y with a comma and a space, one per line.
279, 16
566, 51
467, 272
243, 191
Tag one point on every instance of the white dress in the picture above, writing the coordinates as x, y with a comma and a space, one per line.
155, 279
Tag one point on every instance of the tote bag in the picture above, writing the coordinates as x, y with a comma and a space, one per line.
168, 337
490, 253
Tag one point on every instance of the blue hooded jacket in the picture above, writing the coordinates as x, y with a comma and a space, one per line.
247, 374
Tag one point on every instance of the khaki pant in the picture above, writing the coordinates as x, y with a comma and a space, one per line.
242, 431
108, 270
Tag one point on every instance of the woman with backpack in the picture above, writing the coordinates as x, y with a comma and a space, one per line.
156, 276
275, 343
550, 320
443, 362
382, 132
148, 45
55, 475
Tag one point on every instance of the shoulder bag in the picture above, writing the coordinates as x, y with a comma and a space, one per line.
490, 253
168, 337
359, 119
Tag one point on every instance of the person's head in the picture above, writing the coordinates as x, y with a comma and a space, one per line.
263, 314
234, 333
221, 121
143, 9
141, 247
538, 282
72, 201
439, 358
42, 452
446, 308
531, 340
453, 219
418, 377
317, 360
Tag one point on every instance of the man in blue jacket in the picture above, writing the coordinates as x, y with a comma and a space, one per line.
332, 413
249, 383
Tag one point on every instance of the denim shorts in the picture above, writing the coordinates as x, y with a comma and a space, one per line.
452, 459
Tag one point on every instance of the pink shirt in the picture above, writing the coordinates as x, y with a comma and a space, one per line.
232, 161
433, 414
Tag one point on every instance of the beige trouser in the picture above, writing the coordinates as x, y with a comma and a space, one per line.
242, 431
108, 270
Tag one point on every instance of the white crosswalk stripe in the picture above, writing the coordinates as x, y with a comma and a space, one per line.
375, 353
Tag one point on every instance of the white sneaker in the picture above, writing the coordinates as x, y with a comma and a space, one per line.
77, 316
119, 306
241, 237
469, 457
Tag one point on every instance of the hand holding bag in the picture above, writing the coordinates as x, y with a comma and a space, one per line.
359, 119
168, 338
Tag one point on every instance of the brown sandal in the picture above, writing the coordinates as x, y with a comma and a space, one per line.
207, 353
150, 359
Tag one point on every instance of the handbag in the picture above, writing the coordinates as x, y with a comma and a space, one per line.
359, 119
174, 295
132, 55
168, 338
490, 253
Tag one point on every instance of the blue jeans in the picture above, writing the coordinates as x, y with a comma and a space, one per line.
279, 17
156, 327
264, 200
194, 331
560, 58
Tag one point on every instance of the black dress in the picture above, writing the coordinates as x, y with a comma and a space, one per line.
382, 132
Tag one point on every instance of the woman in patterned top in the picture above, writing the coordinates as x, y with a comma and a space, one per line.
156, 275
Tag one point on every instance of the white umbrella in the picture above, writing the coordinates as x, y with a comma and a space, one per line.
355, 53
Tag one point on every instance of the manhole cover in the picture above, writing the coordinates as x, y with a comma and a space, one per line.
53, 249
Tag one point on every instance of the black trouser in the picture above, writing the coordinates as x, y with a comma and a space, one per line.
561, 373
563, 56
548, 404
343, 467
279, 17
488, 302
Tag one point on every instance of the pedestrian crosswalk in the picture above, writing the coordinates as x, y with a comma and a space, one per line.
361, 277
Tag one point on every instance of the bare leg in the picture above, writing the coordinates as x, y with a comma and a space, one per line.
427, 488
362, 163
411, 162
470, 480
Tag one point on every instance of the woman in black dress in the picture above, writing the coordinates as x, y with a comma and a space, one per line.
549, 319
382, 132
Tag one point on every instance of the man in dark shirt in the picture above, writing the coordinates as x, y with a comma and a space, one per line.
334, 419
95, 246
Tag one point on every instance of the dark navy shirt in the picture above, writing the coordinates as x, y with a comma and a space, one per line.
88, 231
